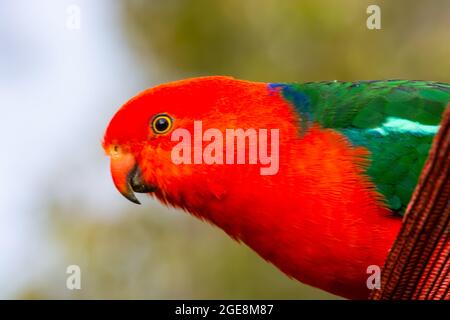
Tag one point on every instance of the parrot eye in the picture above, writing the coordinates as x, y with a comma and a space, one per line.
161, 123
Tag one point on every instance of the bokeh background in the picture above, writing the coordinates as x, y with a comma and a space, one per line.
60, 85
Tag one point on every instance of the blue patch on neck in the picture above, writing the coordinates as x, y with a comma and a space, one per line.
299, 99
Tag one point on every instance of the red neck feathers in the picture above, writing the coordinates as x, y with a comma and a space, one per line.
319, 219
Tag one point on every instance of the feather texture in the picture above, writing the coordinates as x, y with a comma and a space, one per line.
396, 120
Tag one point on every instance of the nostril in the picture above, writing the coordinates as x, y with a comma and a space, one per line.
115, 150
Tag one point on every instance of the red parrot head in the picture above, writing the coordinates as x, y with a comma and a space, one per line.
139, 139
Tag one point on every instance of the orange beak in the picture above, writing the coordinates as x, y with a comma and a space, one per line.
123, 170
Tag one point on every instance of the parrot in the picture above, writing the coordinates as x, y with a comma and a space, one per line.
349, 157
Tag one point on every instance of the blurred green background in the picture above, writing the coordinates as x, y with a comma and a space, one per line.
126, 251
288, 40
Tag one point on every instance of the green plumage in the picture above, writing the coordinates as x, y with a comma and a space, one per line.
396, 120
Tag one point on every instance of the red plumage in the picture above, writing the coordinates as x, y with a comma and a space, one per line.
319, 219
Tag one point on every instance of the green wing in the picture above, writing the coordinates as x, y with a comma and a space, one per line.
395, 119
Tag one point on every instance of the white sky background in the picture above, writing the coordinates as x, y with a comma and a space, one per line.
58, 90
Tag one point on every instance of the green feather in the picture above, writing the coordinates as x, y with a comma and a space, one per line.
396, 120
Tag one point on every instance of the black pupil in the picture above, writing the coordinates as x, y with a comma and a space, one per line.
161, 124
